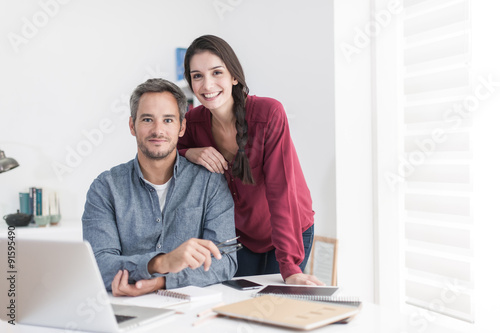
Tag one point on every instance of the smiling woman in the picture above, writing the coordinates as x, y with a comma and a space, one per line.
247, 138
213, 84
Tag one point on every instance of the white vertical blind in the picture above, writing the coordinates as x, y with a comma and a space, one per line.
437, 157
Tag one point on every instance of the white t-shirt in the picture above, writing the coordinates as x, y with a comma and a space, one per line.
162, 191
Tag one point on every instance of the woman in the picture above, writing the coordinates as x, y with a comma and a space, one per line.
247, 138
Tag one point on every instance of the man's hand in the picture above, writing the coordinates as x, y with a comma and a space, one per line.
192, 253
208, 157
301, 278
121, 287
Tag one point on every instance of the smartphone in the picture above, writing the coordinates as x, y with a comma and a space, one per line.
242, 284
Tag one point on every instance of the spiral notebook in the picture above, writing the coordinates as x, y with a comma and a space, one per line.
310, 293
166, 298
192, 293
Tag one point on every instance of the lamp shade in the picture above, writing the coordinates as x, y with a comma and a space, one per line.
7, 163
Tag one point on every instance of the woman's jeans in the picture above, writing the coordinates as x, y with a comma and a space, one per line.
251, 263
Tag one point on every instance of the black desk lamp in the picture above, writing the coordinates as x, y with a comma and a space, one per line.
7, 163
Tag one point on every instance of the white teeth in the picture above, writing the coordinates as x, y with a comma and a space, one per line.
211, 95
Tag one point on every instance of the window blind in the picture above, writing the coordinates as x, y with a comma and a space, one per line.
437, 191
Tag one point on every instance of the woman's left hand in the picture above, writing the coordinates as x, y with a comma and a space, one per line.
208, 157
301, 278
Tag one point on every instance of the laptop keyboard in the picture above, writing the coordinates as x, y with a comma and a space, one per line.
122, 318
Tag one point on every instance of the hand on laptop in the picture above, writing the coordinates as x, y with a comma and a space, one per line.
306, 279
121, 287
192, 253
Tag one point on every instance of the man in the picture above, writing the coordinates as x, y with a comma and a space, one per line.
151, 218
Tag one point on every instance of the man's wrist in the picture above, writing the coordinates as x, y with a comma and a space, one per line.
157, 265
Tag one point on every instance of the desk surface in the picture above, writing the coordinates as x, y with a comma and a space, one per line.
372, 318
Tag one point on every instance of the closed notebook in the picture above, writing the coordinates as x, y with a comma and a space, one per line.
307, 292
311, 293
287, 312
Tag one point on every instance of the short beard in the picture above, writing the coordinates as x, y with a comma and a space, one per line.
152, 155
155, 156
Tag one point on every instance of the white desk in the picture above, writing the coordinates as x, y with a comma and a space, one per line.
372, 318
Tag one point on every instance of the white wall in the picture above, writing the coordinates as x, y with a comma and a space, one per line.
353, 148
486, 164
386, 118
286, 50
73, 74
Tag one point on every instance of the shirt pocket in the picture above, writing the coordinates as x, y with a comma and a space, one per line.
188, 223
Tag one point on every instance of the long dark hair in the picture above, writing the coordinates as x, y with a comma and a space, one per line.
220, 48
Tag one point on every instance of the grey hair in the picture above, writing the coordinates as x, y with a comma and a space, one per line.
158, 85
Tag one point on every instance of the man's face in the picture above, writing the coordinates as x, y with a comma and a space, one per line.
157, 127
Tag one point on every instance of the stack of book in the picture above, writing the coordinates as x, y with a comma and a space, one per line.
43, 204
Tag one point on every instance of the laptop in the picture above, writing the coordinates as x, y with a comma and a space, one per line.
59, 285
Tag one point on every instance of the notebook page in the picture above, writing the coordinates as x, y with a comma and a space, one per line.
149, 300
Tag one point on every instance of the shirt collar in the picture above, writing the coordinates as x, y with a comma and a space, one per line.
139, 172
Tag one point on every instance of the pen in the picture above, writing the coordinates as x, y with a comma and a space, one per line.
226, 248
227, 241
206, 315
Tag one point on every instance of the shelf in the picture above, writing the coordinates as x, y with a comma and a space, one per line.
65, 230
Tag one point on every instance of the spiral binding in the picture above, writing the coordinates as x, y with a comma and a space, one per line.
348, 300
173, 294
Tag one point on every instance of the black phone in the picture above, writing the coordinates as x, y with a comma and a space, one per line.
241, 284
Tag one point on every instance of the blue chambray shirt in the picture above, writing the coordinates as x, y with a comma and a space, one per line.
124, 224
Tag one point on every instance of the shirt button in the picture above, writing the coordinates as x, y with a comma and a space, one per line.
232, 179
234, 193
151, 189
158, 220
159, 246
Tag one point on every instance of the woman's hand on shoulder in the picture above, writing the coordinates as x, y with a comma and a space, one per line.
208, 157
305, 279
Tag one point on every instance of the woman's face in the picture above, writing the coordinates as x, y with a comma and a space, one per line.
211, 81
